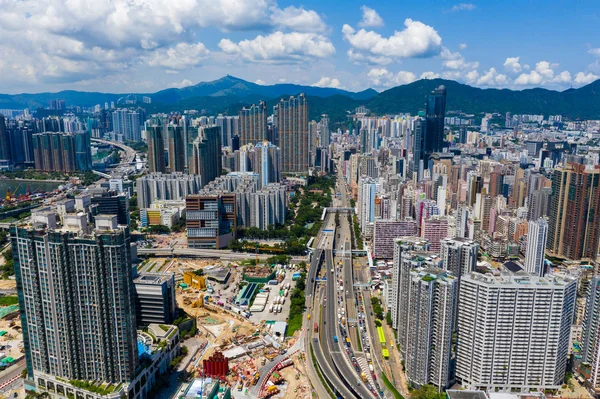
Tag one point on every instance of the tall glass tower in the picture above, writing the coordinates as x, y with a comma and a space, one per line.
434, 131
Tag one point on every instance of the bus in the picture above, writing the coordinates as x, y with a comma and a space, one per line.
385, 353
381, 335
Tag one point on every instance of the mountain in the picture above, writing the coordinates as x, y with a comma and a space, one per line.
228, 94
228, 86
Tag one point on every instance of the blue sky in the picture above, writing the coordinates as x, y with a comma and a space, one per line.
148, 45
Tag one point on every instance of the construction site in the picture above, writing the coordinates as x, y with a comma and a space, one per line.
245, 348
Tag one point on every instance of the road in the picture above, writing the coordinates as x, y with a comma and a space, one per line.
224, 254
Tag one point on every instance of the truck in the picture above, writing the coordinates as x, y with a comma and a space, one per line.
335, 339
316, 327
363, 376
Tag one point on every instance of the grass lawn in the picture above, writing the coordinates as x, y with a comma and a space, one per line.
391, 387
9, 300
294, 324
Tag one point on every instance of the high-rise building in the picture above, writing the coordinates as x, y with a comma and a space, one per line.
386, 231
537, 236
292, 128
514, 330
177, 146
62, 152
229, 128
325, 134
211, 220
574, 230
165, 186
108, 202
266, 161
400, 275
459, 255
76, 297
430, 303
367, 189
434, 131
156, 149
154, 298
5, 147
253, 124
435, 229
591, 336
419, 158
538, 203
206, 154
128, 124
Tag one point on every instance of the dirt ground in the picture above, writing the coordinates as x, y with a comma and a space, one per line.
296, 388
7, 284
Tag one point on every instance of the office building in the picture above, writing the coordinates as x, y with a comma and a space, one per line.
385, 233
430, 303
292, 128
367, 189
154, 298
177, 148
107, 202
69, 285
165, 186
253, 124
514, 330
537, 236
400, 273
459, 255
434, 130
211, 220
591, 336
419, 158
324, 132
206, 154
573, 229
156, 149
5, 146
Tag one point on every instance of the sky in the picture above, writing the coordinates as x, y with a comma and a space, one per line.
124, 46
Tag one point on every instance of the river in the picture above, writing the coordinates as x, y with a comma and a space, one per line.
35, 186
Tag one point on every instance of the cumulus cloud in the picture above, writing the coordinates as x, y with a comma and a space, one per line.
183, 83
326, 81
359, 58
280, 47
181, 56
511, 64
463, 7
582, 78
594, 51
260, 82
462, 46
298, 19
429, 75
370, 18
456, 61
416, 40
381, 77
492, 78
542, 74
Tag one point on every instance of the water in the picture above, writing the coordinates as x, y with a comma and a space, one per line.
37, 186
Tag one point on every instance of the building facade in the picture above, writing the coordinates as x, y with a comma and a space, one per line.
292, 128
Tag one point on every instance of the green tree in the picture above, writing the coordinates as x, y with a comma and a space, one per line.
427, 392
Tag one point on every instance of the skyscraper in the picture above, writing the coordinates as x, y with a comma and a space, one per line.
574, 228
459, 255
266, 161
76, 297
430, 302
229, 128
253, 124
292, 127
62, 152
325, 134
206, 154
537, 236
177, 145
434, 131
156, 149
514, 331
419, 160
591, 334
5, 155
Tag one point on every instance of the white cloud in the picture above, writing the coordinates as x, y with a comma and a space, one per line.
260, 82
381, 77
582, 78
492, 78
370, 18
512, 65
429, 75
183, 83
181, 56
326, 81
543, 74
280, 47
472, 76
462, 46
360, 58
416, 40
298, 19
594, 51
456, 61
463, 7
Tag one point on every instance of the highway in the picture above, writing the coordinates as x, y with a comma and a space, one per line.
224, 254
